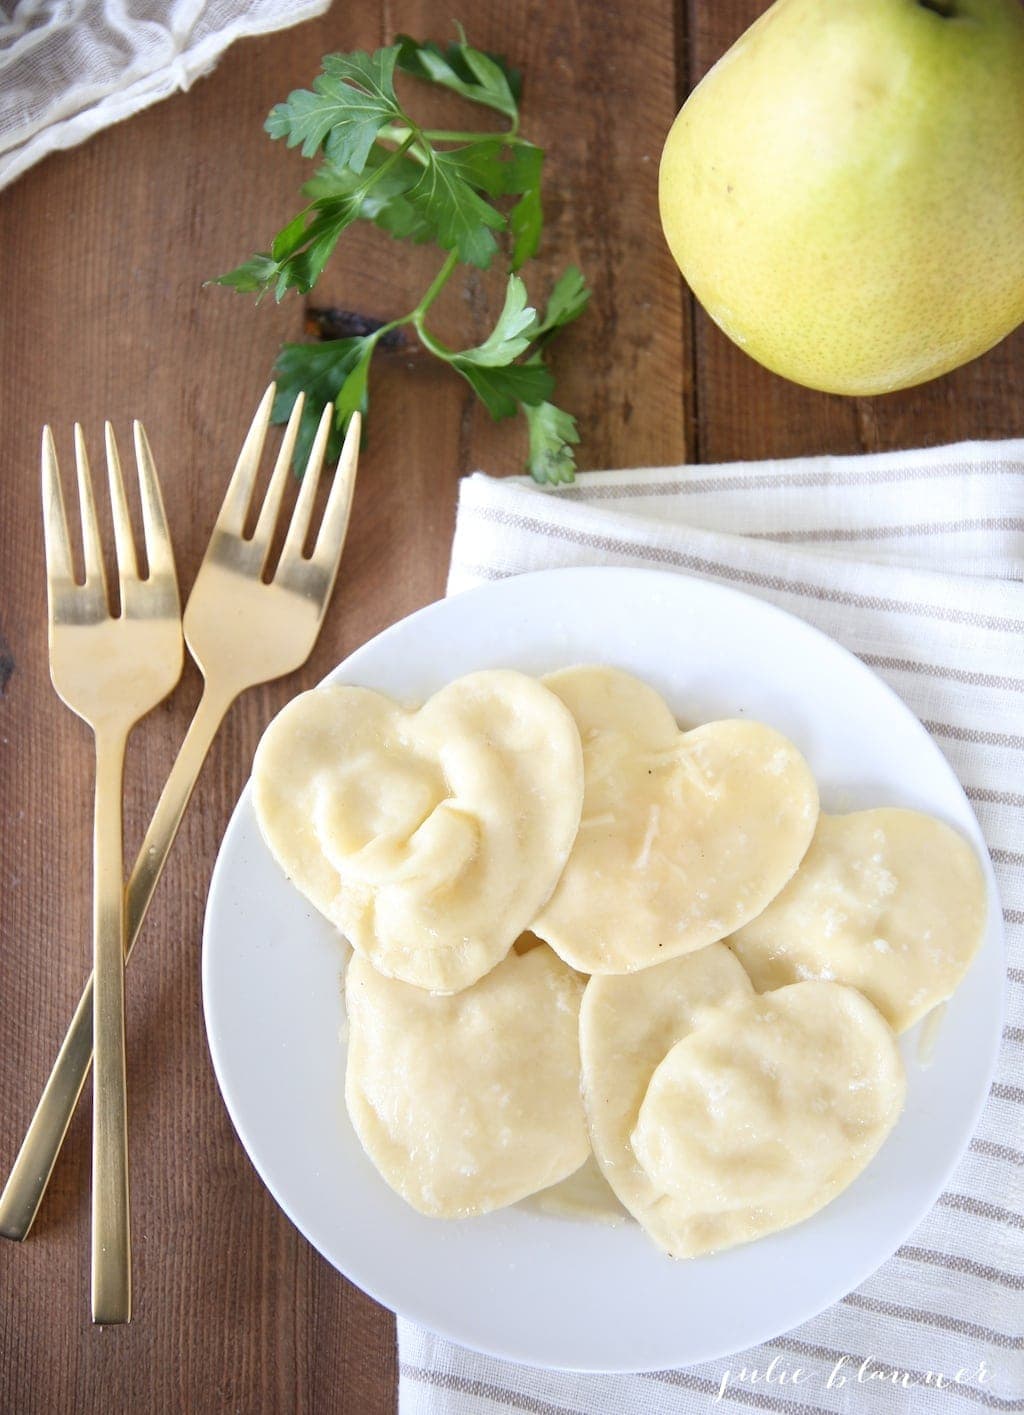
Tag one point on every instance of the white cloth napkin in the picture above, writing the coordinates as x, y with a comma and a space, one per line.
914, 561
71, 67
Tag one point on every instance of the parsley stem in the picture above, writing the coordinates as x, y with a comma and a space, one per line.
395, 133
441, 135
434, 346
388, 162
433, 290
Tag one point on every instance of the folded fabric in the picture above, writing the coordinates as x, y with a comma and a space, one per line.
71, 67
914, 561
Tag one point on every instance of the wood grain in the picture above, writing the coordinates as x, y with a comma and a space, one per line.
107, 247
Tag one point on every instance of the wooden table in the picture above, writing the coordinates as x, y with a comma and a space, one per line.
105, 251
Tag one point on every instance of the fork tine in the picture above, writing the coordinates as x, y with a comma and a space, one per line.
55, 521
231, 517
87, 507
339, 504
297, 531
279, 479
159, 554
124, 540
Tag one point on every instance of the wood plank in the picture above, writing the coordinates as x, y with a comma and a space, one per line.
109, 245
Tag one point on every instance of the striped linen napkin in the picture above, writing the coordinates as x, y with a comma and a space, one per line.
914, 561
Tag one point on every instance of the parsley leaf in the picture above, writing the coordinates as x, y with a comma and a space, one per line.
553, 434
511, 334
373, 73
566, 302
384, 202
461, 220
251, 277
527, 217
444, 205
480, 77
501, 390
489, 367
303, 252
299, 251
349, 103
525, 221
482, 164
523, 169
321, 371
353, 396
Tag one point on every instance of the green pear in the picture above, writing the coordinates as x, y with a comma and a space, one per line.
844, 191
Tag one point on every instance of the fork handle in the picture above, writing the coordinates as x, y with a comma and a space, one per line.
111, 1222
26, 1185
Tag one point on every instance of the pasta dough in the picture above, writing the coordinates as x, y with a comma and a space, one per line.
760, 1117
889, 901
685, 836
470, 1102
628, 1024
430, 838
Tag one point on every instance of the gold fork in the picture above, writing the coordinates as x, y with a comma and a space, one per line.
110, 670
241, 630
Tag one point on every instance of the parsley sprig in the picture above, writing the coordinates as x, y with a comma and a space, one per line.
472, 194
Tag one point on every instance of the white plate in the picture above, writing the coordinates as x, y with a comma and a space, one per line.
518, 1284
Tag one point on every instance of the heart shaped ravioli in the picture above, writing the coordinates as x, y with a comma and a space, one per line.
889, 901
628, 1024
685, 836
760, 1117
431, 837
469, 1102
